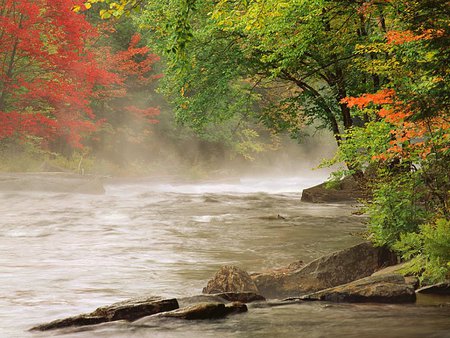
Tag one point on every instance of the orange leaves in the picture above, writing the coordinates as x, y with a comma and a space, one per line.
408, 139
400, 37
391, 110
394, 116
384, 96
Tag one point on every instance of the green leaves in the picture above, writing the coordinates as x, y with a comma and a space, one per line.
427, 251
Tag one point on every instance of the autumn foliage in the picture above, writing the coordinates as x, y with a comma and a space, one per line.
51, 71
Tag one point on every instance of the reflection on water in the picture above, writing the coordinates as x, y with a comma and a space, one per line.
64, 254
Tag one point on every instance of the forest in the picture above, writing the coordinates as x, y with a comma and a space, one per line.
97, 82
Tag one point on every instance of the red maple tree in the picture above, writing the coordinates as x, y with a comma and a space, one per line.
48, 75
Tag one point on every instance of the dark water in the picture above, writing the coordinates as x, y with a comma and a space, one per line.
65, 254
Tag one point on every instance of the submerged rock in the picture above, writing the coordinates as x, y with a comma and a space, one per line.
206, 311
230, 279
374, 289
129, 310
327, 271
346, 190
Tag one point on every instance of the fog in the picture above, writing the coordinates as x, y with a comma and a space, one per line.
169, 150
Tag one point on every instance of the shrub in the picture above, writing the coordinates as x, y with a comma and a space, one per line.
427, 251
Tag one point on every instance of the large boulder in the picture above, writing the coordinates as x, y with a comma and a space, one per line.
345, 190
230, 279
205, 311
373, 289
129, 310
327, 271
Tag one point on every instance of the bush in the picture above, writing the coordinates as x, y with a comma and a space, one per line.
395, 209
427, 252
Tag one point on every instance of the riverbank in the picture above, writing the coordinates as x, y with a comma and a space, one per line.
359, 274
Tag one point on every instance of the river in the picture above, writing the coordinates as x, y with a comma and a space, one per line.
62, 254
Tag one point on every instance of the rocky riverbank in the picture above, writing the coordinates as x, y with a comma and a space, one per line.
346, 190
358, 274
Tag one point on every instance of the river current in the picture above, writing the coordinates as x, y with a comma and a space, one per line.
62, 254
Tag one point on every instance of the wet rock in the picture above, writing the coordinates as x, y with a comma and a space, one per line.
242, 297
413, 281
277, 217
80, 320
230, 279
346, 190
206, 311
373, 289
436, 289
390, 270
397, 269
327, 271
129, 310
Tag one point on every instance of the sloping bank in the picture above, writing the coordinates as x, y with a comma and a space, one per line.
61, 182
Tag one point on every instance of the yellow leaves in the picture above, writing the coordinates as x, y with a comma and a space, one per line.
249, 143
105, 14
116, 8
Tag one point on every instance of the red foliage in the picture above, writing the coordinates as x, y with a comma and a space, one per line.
134, 63
134, 68
48, 75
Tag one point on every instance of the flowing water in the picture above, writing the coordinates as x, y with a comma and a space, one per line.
62, 254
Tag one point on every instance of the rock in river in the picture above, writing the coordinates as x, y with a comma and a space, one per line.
346, 190
373, 289
206, 311
327, 271
230, 279
224, 297
129, 310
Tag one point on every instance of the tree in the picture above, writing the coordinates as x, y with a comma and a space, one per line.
238, 52
127, 109
407, 140
47, 74
57, 79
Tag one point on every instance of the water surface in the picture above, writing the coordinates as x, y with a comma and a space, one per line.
62, 254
